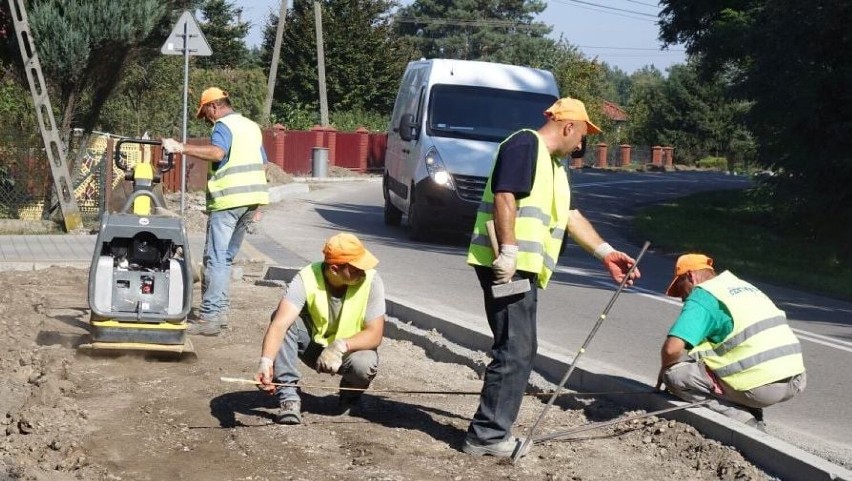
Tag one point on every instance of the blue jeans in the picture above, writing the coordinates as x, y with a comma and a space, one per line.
513, 323
357, 371
225, 232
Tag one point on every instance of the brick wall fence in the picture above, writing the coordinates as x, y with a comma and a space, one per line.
362, 151
292, 150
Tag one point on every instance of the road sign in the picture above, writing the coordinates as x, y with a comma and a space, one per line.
186, 37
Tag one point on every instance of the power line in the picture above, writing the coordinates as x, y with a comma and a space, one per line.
643, 3
607, 12
631, 48
634, 12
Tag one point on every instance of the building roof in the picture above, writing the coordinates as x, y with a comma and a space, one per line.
613, 111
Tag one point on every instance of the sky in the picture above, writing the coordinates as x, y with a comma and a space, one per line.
622, 33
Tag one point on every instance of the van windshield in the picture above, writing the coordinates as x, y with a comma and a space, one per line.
481, 113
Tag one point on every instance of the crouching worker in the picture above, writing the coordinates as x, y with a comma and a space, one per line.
742, 352
332, 318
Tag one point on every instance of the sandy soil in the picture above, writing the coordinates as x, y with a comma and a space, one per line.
69, 415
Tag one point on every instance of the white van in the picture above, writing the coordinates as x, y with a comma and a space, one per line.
448, 119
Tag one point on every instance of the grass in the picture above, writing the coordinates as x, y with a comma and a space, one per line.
737, 231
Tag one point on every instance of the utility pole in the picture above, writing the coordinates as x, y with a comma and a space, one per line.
53, 145
273, 67
321, 65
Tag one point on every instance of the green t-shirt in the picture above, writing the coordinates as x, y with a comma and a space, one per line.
702, 318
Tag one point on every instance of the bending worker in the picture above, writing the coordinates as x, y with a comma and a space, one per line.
742, 352
332, 318
236, 186
528, 198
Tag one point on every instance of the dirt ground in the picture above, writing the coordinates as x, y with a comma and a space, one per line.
69, 415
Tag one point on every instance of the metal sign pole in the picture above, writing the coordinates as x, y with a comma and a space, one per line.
185, 101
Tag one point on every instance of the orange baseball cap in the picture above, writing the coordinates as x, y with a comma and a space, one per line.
209, 95
571, 109
687, 263
347, 249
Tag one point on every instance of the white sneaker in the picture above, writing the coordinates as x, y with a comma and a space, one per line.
502, 449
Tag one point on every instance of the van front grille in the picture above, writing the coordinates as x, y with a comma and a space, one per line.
470, 187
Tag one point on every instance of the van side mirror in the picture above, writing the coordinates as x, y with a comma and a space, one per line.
408, 129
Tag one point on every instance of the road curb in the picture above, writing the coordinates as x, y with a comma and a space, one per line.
771, 454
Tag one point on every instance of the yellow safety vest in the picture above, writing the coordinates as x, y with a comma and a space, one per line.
761, 348
241, 181
540, 220
352, 312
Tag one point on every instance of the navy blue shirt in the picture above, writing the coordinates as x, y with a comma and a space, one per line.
514, 168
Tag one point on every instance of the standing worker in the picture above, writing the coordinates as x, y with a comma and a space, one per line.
743, 352
332, 318
236, 186
528, 198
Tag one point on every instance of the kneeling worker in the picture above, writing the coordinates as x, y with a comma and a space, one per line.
342, 305
742, 351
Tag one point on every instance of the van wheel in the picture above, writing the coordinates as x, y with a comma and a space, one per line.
393, 216
416, 231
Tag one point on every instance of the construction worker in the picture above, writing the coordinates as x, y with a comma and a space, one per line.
528, 198
332, 318
742, 352
236, 186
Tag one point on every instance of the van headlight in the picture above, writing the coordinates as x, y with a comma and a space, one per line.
437, 171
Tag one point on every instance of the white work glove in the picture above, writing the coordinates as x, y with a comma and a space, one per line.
264, 374
331, 358
505, 264
172, 146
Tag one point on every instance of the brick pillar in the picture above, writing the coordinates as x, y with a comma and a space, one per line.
319, 135
625, 154
577, 163
657, 155
600, 152
332, 145
668, 156
363, 148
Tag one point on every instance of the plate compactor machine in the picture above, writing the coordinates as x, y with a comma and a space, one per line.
140, 280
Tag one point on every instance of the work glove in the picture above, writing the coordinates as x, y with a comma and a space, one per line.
331, 358
264, 375
172, 146
505, 264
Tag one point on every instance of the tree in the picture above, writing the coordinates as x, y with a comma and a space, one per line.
498, 31
83, 44
794, 61
225, 33
363, 59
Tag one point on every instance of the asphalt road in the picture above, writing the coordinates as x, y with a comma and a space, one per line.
434, 275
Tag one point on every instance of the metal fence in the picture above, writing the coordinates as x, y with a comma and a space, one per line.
26, 185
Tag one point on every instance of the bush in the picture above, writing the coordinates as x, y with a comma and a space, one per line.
718, 163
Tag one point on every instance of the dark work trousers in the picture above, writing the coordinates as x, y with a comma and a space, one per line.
513, 324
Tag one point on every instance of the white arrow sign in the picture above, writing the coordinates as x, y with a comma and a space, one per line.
186, 37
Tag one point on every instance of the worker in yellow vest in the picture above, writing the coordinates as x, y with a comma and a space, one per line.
730, 343
236, 186
332, 317
529, 199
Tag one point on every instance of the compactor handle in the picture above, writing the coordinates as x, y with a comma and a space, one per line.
121, 163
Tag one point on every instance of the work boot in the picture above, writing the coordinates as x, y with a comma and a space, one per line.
502, 449
757, 421
223, 319
289, 412
203, 327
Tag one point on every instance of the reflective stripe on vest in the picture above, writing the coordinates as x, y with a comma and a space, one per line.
540, 220
761, 347
241, 181
352, 311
